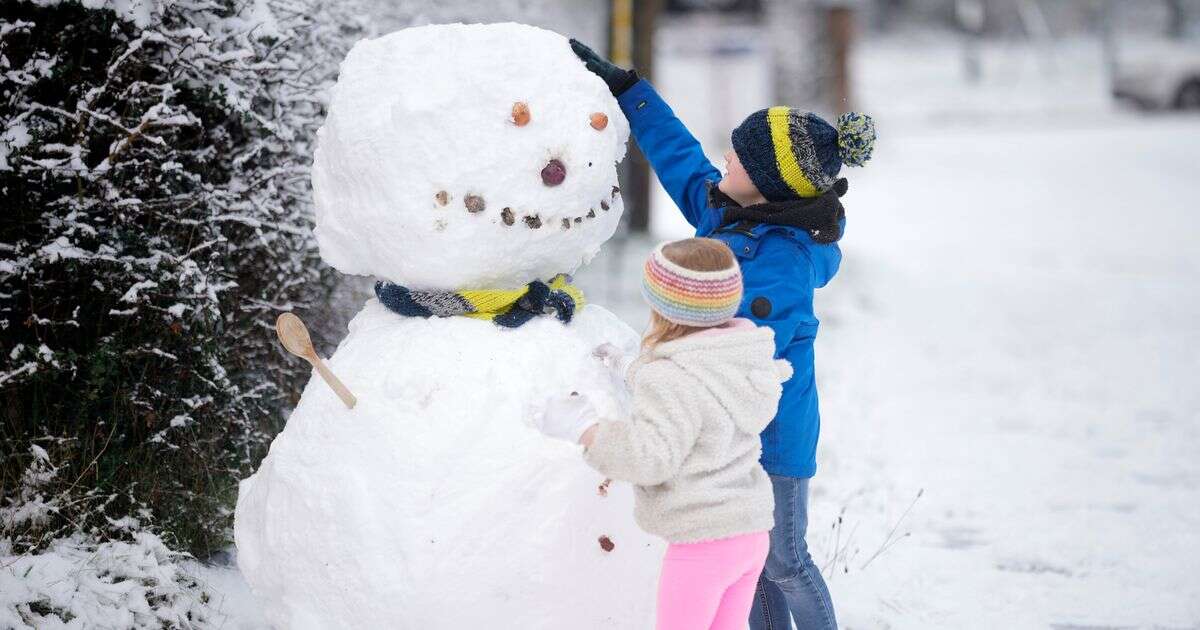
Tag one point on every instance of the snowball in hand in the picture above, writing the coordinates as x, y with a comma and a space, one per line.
475, 139
456, 157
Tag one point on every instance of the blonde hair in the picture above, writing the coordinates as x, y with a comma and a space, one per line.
695, 254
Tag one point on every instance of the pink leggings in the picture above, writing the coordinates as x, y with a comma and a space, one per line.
710, 585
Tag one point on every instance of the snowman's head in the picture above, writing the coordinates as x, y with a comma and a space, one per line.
467, 156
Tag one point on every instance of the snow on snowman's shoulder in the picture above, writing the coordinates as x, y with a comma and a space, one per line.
591, 325
597, 325
410, 367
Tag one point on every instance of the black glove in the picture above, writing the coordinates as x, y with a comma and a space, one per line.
617, 78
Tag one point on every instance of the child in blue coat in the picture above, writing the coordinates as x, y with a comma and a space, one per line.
778, 209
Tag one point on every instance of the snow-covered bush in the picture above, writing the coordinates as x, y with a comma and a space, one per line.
154, 219
77, 582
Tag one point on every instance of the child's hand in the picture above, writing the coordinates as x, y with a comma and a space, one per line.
608, 354
613, 358
617, 78
567, 417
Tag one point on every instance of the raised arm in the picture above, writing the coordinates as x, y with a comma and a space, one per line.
674, 153
676, 156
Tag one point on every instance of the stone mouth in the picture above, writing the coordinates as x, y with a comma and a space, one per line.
510, 216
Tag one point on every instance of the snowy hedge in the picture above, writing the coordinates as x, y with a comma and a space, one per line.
80, 583
155, 219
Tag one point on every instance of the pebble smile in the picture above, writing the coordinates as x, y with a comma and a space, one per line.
476, 204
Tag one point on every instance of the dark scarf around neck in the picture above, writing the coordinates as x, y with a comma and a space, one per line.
820, 216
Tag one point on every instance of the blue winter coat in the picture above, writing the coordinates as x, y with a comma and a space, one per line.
781, 267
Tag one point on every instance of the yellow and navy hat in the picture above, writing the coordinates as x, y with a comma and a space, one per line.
791, 154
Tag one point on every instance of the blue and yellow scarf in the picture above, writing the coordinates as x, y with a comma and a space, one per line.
505, 307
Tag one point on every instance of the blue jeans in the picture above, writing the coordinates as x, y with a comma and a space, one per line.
791, 586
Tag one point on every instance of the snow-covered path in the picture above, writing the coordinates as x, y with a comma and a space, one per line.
1016, 332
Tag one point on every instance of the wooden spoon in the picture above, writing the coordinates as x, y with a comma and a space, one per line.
293, 334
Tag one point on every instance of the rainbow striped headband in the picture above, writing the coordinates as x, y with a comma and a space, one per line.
692, 298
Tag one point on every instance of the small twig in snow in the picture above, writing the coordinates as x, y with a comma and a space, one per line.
889, 542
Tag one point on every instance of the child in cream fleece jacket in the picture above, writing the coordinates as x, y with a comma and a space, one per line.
703, 389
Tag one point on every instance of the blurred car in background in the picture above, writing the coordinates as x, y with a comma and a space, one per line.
1161, 76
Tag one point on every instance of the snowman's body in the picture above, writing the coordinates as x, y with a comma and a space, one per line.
435, 503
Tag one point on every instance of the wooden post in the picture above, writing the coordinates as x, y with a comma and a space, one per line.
1177, 19
841, 36
631, 44
970, 16
1108, 39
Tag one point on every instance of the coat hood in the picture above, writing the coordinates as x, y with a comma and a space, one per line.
737, 365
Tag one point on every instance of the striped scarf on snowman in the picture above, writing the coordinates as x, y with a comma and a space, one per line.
508, 308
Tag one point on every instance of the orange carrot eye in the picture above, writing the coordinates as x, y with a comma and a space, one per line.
520, 114
599, 121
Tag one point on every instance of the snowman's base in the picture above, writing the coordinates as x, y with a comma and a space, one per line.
434, 503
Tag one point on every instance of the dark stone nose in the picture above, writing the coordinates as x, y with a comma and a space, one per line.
554, 173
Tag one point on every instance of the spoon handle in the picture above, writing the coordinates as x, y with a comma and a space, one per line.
334, 382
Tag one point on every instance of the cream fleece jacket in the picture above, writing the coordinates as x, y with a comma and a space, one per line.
691, 446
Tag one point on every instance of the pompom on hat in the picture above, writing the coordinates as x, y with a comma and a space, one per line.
793, 154
691, 298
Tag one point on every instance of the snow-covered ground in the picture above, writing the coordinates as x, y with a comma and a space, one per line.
1016, 332
1014, 338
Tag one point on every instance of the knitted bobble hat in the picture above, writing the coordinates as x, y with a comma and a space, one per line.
791, 154
692, 298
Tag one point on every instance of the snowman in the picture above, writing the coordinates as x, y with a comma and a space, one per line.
468, 168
